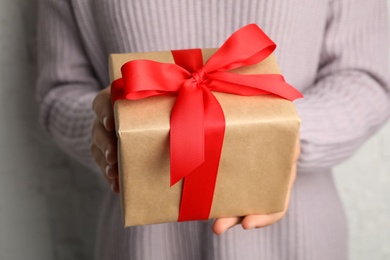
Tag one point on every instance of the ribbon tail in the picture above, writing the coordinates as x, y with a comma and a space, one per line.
187, 133
199, 185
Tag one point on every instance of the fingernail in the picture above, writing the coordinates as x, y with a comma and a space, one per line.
106, 153
105, 121
107, 170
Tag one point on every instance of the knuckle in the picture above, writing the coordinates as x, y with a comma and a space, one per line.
95, 125
93, 150
96, 154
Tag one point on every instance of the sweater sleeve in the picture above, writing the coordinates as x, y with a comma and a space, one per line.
349, 99
66, 85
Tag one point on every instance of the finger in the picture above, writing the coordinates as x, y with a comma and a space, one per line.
297, 149
220, 225
112, 171
115, 186
259, 221
103, 109
101, 162
105, 141
290, 186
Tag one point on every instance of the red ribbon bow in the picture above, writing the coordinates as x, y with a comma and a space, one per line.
197, 120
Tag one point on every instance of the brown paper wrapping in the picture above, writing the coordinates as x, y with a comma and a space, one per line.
256, 159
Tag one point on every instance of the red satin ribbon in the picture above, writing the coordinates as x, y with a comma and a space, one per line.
197, 120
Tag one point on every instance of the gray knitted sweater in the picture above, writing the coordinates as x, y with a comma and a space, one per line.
334, 51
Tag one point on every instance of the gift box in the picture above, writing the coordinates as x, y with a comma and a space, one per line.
251, 173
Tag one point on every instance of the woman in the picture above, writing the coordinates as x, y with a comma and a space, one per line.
334, 51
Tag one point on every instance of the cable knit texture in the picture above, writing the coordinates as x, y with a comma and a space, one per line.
335, 52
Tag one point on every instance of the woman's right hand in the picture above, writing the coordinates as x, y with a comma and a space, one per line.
104, 142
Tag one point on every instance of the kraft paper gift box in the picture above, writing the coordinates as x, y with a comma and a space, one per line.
256, 158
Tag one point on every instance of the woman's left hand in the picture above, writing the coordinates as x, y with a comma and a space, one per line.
258, 221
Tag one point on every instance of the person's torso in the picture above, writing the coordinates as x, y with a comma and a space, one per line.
296, 26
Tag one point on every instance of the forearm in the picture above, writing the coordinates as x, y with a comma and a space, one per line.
66, 83
66, 114
338, 117
350, 98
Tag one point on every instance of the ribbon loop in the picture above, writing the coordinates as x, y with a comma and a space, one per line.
187, 133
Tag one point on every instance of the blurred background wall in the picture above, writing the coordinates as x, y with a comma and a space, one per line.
49, 205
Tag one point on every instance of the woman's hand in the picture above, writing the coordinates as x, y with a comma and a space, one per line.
104, 143
258, 221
